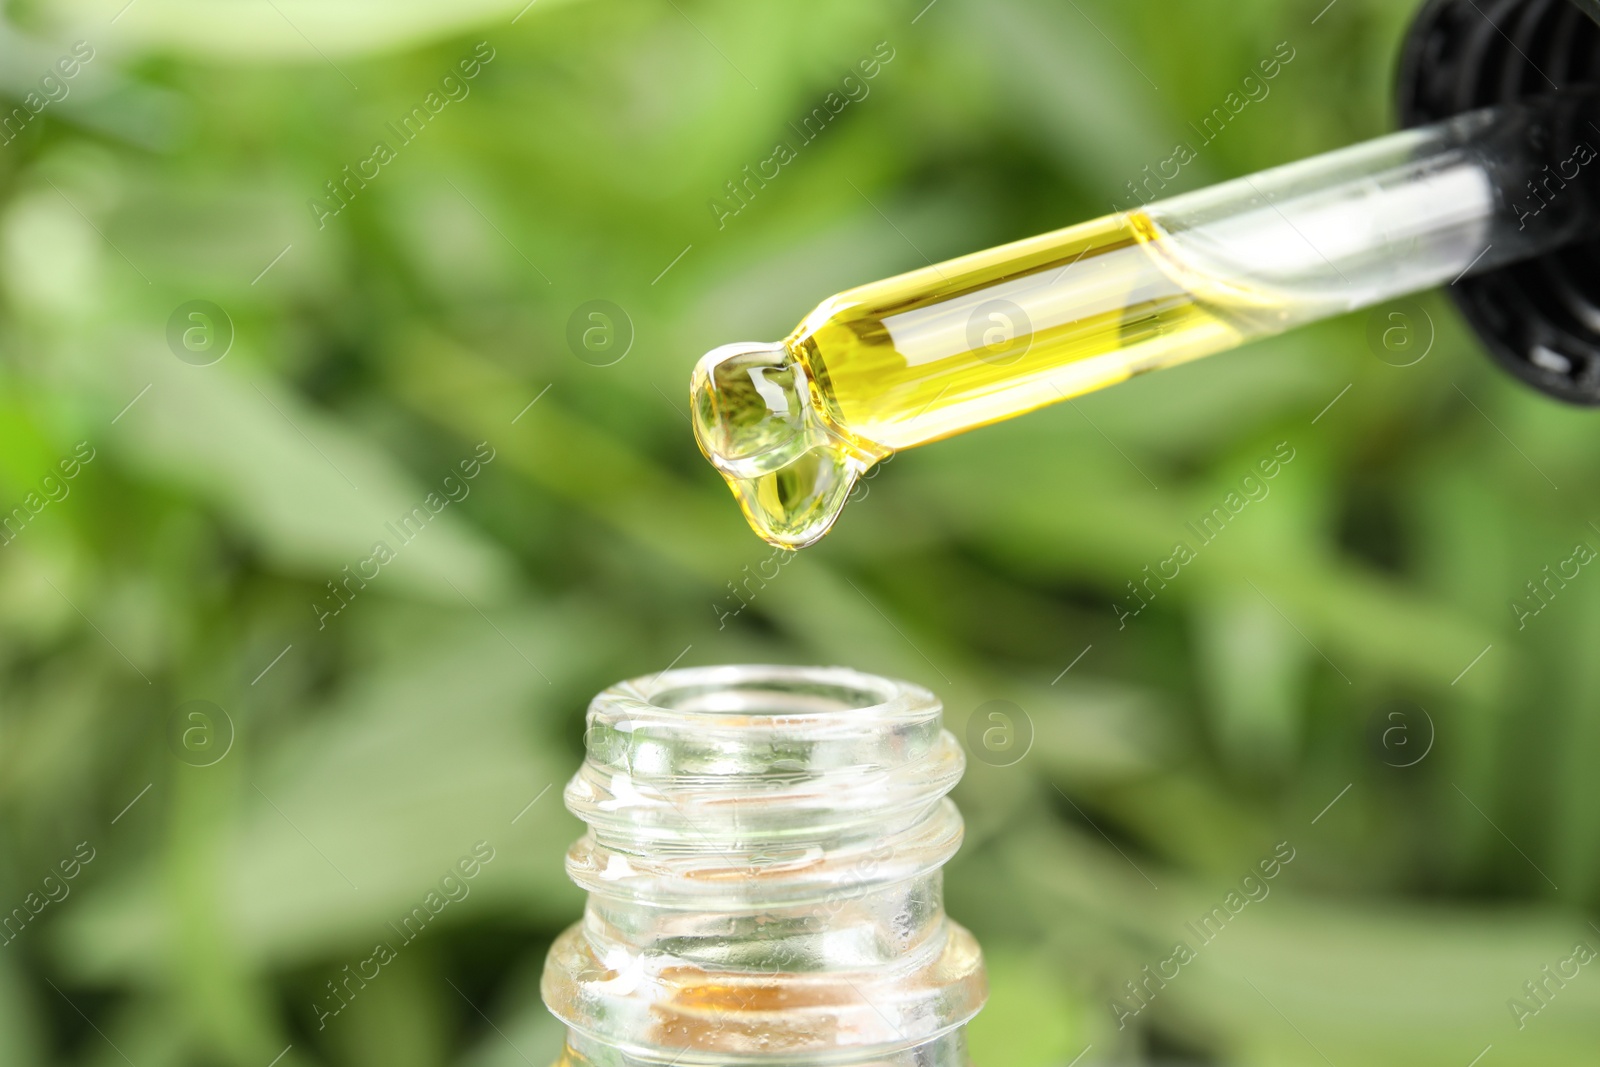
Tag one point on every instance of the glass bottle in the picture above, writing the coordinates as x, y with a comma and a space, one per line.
763, 868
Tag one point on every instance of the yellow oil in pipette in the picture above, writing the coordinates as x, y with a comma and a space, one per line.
949, 348
995, 334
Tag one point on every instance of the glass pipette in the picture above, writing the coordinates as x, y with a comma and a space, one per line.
991, 335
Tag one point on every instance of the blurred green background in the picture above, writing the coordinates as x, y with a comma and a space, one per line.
243, 858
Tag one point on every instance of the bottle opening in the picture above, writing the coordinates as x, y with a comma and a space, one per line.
775, 691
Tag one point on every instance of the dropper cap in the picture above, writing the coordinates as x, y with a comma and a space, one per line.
1539, 318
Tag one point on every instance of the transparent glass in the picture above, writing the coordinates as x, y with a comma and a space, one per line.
992, 335
763, 867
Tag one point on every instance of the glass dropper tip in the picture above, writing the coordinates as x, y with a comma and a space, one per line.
755, 418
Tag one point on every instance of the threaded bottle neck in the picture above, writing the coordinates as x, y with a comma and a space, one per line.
763, 866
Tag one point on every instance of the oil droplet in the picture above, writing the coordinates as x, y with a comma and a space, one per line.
788, 467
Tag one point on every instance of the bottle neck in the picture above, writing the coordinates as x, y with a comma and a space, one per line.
763, 867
